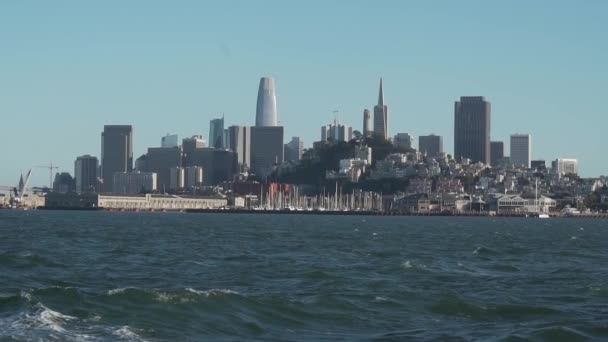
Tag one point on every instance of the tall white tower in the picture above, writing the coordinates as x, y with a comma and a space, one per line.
266, 112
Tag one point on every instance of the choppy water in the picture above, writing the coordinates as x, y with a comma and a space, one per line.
159, 276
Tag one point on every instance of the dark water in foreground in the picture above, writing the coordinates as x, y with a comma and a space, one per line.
158, 276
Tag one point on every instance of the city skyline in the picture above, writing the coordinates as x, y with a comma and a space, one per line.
119, 77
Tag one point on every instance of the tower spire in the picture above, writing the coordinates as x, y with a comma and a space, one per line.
381, 95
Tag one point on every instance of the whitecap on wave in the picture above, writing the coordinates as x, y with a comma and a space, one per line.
174, 296
27, 295
126, 333
117, 291
212, 292
42, 320
407, 264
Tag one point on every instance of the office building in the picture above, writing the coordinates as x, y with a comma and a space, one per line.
497, 152
116, 153
189, 145
169, 140
63, 183
403, 141
294, 149
193, 177
266, 110
521, 150
160, 161
336, 132
85, 174
472, 129
219, 165
216, 132
176, 178
266, 149
367, 123
538, 165
192, 143
141, 163
431, 145
565, 166
381, 116
134, 182
239, 141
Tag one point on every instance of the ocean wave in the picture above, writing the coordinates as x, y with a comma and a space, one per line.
26, 259
168, 296
482, 250
212, 292
42, 322
561, 333
117, 291
127, 333
453, 305
410, 266
33, 320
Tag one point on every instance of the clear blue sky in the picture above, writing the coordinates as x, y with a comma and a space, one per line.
69, 67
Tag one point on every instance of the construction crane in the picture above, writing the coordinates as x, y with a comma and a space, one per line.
51, 167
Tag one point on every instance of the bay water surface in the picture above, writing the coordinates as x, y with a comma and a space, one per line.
102, 276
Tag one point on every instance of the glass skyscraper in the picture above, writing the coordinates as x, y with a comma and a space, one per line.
266, 111
472, 129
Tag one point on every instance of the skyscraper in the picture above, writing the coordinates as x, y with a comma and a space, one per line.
521, 150
266, 149
497, 152
219, 165
472, 129
266, 111
367, 123
116, 152
336, 132
216, 132
294, 149
239, 141
266, 136
160, 161
85, 173
189, 145
403, 141
381, 116
431, 145
169, 140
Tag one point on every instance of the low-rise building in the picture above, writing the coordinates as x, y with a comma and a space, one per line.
160, 202
134, 182
132, 202
417, 203
509, 204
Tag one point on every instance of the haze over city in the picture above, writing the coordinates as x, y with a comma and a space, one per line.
68, 68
